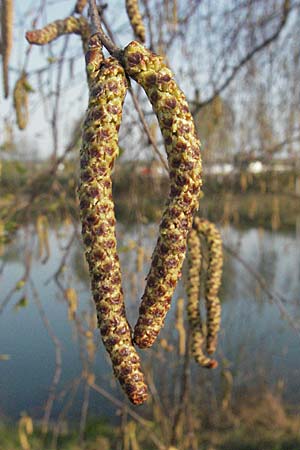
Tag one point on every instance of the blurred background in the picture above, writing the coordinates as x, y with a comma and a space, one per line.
238, 62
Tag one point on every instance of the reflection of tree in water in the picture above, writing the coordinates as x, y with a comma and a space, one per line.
267, 261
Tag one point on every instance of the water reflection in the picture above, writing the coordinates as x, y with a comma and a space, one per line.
256, 342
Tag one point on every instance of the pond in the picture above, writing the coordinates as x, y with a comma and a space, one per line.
259, 340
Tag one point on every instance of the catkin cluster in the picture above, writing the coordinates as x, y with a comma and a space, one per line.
132, 8
213, 280
184, 160
107, 88
69, 25
21, 91
193, 309
7, 17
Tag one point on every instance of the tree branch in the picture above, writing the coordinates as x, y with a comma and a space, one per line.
286, 9
96, 28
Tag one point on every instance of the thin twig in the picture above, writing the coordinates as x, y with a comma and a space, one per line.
131, 413
236, 69
58, 359
96, 28
84, 412
146, 128
64, 411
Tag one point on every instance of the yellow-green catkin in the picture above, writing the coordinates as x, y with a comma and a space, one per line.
184, 160
193, 307
132, 8
213, 280
80, 5
21, 91
69, 25
107, 89
7, 17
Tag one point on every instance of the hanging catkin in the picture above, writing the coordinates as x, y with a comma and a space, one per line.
213, 280
107, 87
70, 25
183, 151
193, 309
132, 8
21, 91
7, 17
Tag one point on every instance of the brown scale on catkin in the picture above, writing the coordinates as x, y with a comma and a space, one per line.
193, 309
70, 25
213, 280
136, 21
21, 91
184, 159
107, 87
7, 17
80, 5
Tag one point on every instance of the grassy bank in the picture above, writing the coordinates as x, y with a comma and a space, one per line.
259, 422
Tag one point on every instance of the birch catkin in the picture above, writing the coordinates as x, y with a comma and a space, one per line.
184, 159
193, 309
7, 17
21, 91
107, 87
213, 280
69, 25
136, 21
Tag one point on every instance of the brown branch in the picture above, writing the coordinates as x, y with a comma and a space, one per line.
146, 128
286, 9
130, 412
55, 112
58, 359
64, 411
84, 412
96, 28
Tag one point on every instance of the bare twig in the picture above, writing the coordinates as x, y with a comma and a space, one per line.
64, 411
84, 412
258, 48
131, 413
97, 29
58, 359
146, 128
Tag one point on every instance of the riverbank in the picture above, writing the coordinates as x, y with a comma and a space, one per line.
261, 424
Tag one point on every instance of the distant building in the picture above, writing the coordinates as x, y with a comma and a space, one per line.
219, 169
256, 167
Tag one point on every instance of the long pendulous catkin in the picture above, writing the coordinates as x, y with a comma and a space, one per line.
184, 159
107, 88
21, 91
69, 25
7, 17
136, 21
213, 280
193, 308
